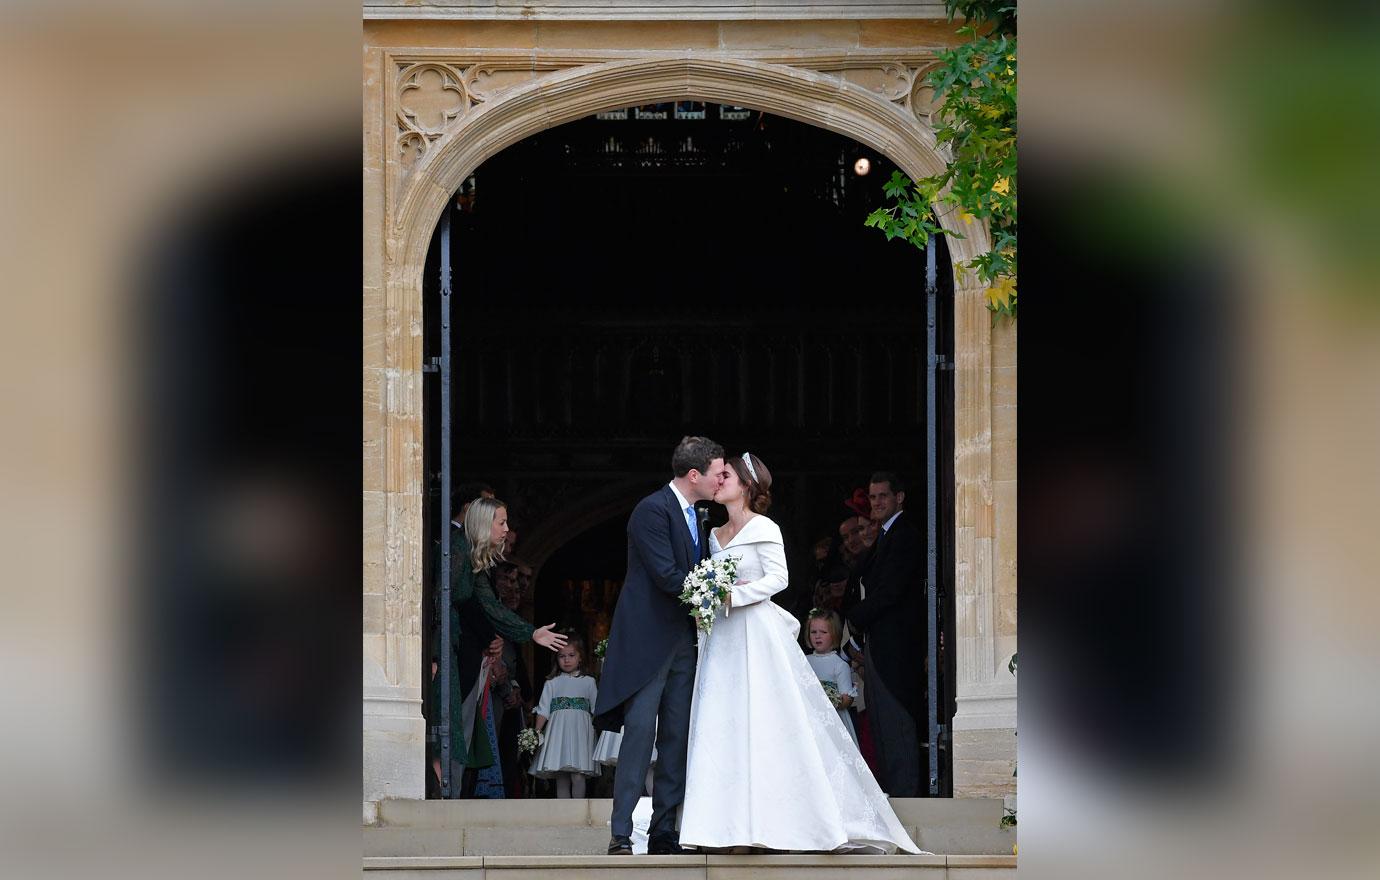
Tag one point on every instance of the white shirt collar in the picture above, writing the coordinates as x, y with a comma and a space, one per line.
886, 526
679, 497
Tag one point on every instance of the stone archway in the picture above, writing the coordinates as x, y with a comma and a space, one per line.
508, 115
445, 113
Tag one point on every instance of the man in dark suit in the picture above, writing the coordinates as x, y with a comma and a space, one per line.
891, 615
649, 667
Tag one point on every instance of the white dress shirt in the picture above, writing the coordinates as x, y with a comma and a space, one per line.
692, 526
886, 526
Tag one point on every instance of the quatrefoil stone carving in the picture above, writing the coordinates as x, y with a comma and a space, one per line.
432, 97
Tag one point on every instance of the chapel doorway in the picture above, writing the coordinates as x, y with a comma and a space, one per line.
641, 274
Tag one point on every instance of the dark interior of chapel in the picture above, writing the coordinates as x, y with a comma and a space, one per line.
620, 282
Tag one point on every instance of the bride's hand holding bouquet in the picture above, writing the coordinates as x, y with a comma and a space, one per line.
708, 586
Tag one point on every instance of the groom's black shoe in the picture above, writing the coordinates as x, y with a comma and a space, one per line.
665, 846
620, 846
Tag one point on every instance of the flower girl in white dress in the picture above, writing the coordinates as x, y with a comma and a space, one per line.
834, 672
770, 763
565, 707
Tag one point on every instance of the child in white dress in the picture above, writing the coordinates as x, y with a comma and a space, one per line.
834, 672
565, 710
606, 753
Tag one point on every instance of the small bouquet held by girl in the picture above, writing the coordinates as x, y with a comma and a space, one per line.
528, 740
707, 587
831, 691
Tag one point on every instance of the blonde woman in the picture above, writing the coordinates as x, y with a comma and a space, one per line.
479, 623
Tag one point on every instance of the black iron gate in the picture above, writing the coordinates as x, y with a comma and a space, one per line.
443, 648
932, 361
940, 651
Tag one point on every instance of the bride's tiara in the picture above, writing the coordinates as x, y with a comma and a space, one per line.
747, 460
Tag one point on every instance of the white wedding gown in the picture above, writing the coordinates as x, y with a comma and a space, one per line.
770, 763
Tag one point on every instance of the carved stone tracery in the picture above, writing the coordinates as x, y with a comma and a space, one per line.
434, 94
430, 97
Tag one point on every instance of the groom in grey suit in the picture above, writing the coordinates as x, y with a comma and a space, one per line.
649, 667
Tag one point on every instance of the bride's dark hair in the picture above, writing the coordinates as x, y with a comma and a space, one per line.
758, 489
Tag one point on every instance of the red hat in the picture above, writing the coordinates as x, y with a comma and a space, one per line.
859, 503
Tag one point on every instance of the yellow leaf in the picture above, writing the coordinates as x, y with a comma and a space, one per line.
999, 295
990, 112
966, 217
1002, 186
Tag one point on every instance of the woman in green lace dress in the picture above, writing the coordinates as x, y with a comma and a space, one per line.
479, 623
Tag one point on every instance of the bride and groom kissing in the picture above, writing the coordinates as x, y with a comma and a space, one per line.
750, 751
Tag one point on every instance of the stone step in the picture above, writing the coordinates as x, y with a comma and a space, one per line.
487, 841
959, 826
587, 811
481, 841
816, 867
485, 813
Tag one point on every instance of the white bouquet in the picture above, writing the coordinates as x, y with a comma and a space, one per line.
707, 586
528, 740
831, 691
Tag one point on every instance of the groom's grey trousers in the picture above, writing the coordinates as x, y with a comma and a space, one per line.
667, 698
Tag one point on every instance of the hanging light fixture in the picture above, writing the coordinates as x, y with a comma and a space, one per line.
862, 166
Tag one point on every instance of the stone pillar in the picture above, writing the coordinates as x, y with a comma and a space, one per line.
984, 740
394, 732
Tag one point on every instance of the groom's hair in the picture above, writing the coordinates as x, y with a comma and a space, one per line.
694, 453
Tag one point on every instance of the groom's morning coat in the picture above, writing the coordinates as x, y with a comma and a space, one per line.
649, 619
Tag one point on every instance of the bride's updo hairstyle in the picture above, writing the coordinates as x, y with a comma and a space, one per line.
758, 487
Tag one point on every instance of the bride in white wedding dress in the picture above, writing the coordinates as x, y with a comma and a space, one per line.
770, 763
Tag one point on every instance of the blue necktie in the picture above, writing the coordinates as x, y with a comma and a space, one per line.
694, 532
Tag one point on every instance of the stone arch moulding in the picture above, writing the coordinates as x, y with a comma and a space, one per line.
873, 99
